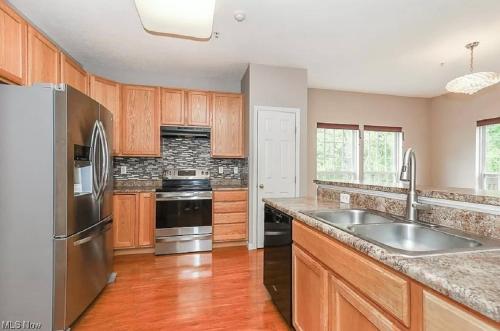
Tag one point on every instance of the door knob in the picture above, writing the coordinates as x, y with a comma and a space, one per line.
261, 186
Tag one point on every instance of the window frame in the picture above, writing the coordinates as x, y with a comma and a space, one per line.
359, 145
398, 146
481, 126
356, 147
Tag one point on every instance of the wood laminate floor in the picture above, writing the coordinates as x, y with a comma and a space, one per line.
221, 290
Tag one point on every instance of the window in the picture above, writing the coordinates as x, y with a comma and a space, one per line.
337, 152
343, 154
381, 154
488, 156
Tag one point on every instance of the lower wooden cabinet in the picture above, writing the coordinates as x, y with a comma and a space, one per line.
134, 218
330, 292
310, 290
230, 216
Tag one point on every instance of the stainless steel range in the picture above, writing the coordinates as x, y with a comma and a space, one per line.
184, 212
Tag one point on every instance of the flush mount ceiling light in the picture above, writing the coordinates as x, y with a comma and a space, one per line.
475, 81
179, 18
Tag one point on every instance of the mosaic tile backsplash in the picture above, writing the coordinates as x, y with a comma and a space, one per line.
180, 153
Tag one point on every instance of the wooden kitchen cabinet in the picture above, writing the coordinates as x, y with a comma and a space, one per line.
108, 93
73, 74
124, 220
439, 314
230, 216
146, 218
43, 59
198, 112
134, 220
140, 123
310, 293
349, 311
172, 107
13, 35
227, 126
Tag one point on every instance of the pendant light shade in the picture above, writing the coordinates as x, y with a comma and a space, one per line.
473, 82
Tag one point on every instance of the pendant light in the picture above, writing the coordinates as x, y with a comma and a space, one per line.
475, 81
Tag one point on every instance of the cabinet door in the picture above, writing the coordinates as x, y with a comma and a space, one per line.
227, 125
198, 108
172, 107
12, 45
442, 315
107, 93
145, 227
74, 75
310, 287
349, 311
43, 59
140, 121
124, 220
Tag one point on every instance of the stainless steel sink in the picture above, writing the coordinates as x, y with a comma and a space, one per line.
400, 236
408, 237
346, 217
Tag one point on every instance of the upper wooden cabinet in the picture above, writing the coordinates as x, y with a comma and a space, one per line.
12, 45
107, 93
43, 59
140, 123
172, 107
74, 75
227, 126
198, 108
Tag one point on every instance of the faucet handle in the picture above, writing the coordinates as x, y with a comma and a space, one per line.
421, 206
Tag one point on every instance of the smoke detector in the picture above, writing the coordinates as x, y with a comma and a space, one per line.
239, 16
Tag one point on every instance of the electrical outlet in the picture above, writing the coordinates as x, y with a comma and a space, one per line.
221, 170
123, 170
236, 170
345, 198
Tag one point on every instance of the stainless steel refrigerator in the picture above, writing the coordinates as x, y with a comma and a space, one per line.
55, 204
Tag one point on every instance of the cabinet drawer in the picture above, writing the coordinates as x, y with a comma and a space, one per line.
389, 290
230, 232
230, 218
230, 196
442, 315
230, 207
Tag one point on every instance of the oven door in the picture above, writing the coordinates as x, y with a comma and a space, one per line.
184, 215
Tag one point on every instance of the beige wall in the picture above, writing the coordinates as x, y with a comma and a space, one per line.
453, 118
264, 85
413, 114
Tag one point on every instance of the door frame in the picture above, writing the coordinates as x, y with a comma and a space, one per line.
253, 167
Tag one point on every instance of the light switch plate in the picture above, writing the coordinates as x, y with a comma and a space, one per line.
345, 198
221, 170
123, 170
236, 170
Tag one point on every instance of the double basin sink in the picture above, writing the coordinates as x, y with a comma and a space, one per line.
402, 237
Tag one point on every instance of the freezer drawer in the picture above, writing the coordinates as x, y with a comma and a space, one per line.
83, 263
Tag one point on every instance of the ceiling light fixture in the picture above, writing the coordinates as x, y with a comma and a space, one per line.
473, 82
178, 18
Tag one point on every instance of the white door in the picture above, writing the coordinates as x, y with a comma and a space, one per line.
276, 158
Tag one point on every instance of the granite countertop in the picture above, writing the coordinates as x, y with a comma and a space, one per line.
468, 278
223, 187
136, 186
447, 193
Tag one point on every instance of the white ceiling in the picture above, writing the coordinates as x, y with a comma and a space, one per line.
380, 46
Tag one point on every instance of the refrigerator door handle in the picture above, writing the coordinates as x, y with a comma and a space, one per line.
105, 159
93, 145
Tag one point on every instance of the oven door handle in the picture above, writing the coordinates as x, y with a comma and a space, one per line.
184, 238
183, 198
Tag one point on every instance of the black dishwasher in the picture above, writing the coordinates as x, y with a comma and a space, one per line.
278, 259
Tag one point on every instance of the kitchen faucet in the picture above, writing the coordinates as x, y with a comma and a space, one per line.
409, 174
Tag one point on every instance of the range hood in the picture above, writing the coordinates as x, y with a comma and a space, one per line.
185, 131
